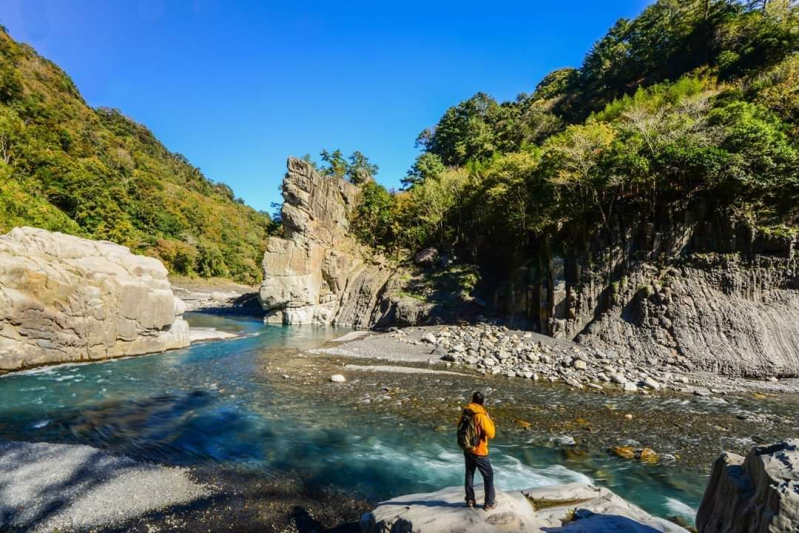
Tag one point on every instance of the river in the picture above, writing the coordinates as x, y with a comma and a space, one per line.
214, 404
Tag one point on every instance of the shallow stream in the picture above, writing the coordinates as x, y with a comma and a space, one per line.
214, 404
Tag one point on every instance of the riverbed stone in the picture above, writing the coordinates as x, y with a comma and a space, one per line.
651, 383
429, 337
65, 299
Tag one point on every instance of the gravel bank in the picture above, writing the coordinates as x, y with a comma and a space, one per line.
60, 487
496, 350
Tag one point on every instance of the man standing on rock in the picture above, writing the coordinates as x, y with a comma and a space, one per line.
475, 428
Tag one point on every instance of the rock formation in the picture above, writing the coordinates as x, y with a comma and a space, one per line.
696, 290
66, 299
753, 494
316, 273
724, 315
572, 507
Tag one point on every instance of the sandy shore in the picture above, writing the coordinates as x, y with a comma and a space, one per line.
209, 334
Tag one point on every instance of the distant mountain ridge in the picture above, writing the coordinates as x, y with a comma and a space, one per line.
95, 173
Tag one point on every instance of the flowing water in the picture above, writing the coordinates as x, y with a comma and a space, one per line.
211, 405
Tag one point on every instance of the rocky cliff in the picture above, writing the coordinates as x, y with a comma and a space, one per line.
66, 299
697, 290
753, 494
316, 273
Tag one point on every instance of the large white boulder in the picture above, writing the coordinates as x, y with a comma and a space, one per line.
574, 507
66, 299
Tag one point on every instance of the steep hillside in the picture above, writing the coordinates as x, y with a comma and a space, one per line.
95, 173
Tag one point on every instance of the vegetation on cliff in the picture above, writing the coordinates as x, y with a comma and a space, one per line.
96, 173
692, 100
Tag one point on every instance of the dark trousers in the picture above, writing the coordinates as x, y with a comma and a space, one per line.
485, 467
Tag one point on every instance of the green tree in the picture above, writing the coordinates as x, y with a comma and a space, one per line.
372, 219
359, 169
335, 164
575, 159
426, 166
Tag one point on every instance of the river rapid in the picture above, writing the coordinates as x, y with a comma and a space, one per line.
255, 405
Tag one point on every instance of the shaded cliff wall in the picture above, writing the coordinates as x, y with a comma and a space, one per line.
696, 289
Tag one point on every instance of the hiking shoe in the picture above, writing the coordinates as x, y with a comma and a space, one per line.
490, 506
470, 504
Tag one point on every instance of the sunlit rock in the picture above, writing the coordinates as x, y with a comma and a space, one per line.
574, 507
757, 493
65, 299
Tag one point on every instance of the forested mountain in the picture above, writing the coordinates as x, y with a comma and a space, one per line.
692, 100
67, 167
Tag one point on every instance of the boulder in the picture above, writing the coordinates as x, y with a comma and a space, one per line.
446, 511
426, 257
574, 507
66, 299
757, 493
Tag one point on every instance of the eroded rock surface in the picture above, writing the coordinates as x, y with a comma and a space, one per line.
692, 287
755, 494
574, 507
66, 299
723, 315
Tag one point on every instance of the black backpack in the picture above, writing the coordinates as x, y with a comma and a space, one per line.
468, 437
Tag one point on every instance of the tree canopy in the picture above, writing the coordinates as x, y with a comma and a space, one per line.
690, 100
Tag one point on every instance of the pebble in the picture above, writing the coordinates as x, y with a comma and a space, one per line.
429, 337
338, 378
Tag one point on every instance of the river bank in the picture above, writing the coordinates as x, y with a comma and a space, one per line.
496, 350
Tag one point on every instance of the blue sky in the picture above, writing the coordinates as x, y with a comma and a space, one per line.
237, 86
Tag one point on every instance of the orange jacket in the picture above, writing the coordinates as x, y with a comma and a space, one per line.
486, 429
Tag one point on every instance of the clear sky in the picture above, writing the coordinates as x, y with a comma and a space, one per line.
237, 86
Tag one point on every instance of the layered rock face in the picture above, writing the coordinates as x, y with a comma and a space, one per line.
66, 299
753, 494
698, 291
722, 315
316, 273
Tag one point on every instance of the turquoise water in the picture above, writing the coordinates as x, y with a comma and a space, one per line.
206, 405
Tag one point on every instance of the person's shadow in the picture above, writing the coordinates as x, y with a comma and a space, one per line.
589, 522
425, 503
